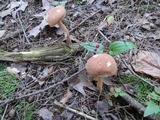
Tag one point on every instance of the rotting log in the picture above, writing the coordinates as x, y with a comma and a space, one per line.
139, 107
51, 53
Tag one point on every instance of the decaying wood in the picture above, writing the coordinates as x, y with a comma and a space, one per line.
51, 53
139, 107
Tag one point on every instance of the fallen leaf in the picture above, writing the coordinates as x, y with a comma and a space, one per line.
45, 5
147, 62
45, 114
14, 7
44, 73
81, 81
110, 19
102, 25
2, 32
13, 70
146, 27
102, 107
155, 35
143, 21
36, 30
66, 97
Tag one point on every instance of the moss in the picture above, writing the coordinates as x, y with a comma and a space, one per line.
8, 83
143, 89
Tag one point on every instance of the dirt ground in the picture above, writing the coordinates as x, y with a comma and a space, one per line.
60, 90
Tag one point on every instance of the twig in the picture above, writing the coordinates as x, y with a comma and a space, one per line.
40, 91
140, 108
23, 29
84, 21
73, 110
16, 33
2, 118
104, 36
136, 74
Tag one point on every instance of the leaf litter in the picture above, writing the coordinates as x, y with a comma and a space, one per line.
147, 63
81, 81
13, 8
38, 76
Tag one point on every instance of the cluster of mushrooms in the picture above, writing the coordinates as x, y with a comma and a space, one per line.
99, 65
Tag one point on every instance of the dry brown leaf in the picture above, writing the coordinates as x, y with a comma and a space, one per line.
2, 32
44, 73
147, 62
81, 81
155, 35
66, 97
46, 5
45, 114
35, 31
13, 70
21, 6
102, 25
102, 107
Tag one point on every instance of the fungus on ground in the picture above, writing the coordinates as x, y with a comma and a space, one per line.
54, 16
101, 65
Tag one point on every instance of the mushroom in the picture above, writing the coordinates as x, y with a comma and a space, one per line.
54, 16
101, 65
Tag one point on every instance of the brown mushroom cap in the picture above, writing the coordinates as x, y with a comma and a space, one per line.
54, 15
101, 64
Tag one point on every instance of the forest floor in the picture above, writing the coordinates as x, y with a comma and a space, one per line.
61, 90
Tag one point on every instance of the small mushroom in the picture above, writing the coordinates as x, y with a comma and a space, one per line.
101, 65
54, 16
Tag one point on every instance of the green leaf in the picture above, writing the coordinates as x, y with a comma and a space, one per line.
91, 46
118, 47
157, 90
154, 96
60, 3
122, 94
117, 90
116, 94
110, 19
151, 109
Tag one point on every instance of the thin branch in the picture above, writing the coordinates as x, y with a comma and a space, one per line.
104, 36
2, 118
84, 21
136, 74
140, 108
40, 91
23, 29
75, 111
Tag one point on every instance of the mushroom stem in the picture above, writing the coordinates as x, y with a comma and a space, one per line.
66, 32
99, 83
